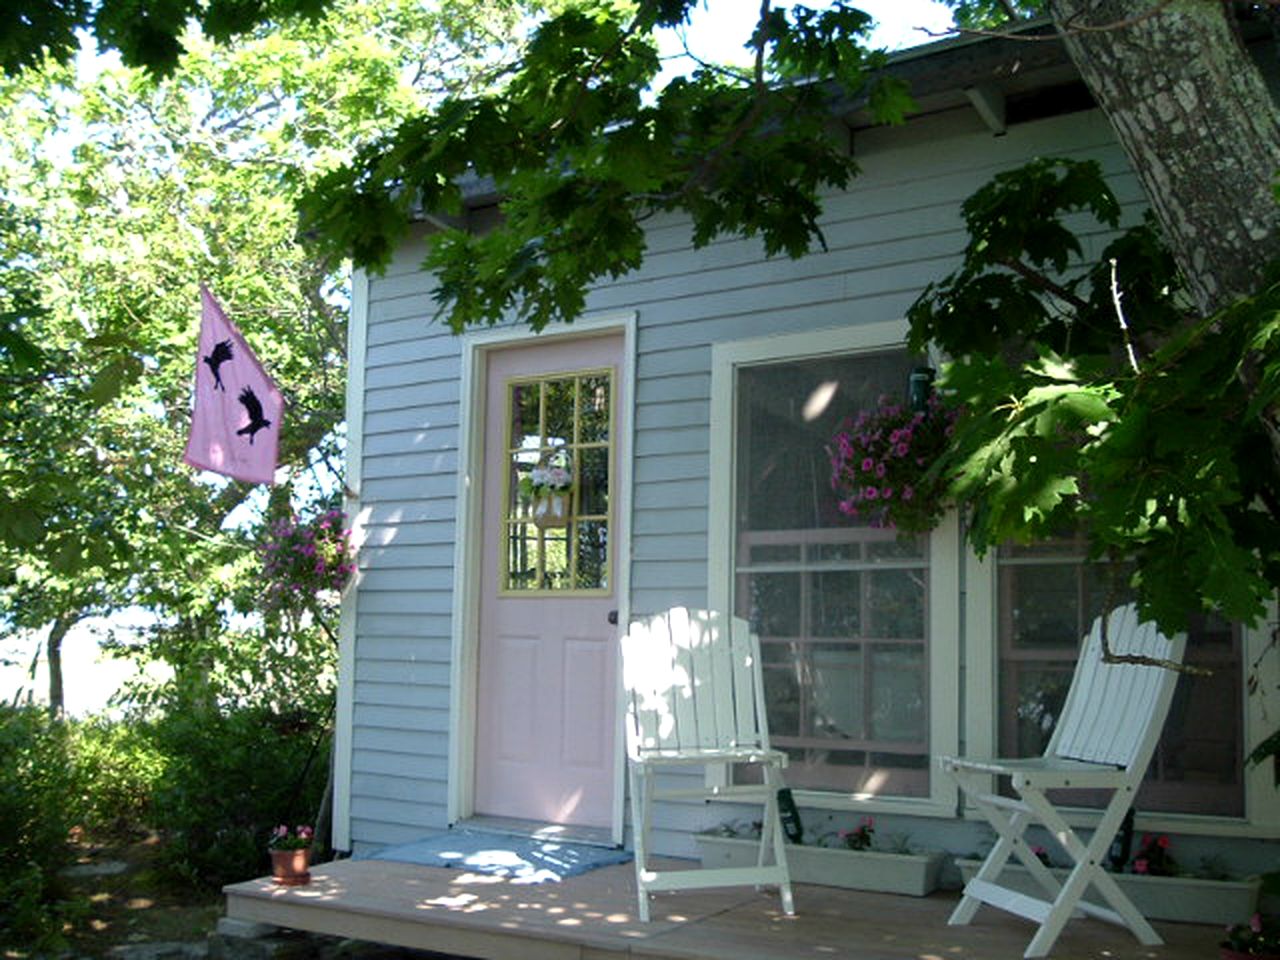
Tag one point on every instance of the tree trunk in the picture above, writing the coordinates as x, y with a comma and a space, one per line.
53, 655
1199, 126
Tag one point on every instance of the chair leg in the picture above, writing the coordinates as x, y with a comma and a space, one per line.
1011, 826
1009, 823
1007, 831
1088, 870
1008, 826
772, 829
640, 834
768, 825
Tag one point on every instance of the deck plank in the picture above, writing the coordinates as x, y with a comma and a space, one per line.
592, 917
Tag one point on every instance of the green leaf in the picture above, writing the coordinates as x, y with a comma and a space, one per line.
1268, 748
113, 378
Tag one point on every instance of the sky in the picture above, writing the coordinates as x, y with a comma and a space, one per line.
719, 28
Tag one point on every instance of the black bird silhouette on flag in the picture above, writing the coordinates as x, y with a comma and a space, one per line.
221, 354
253, 406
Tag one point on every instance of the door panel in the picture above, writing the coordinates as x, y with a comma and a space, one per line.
545, 698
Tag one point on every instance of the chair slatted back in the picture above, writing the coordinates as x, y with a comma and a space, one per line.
1114, 712
692, 683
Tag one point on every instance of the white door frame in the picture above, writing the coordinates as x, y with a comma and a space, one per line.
463, 705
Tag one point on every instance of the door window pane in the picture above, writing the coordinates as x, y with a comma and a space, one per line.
839, 606
594, 406
592, 554
593, 482
558, 483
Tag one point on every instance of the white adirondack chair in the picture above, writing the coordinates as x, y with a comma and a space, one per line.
1104, 739
695, 697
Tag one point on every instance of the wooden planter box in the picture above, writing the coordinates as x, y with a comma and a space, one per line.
912, 874
1189, 899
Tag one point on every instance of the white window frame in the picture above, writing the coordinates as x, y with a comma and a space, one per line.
945, 558
1261, 796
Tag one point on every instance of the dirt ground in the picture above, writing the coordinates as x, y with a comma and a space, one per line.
129, 903
126, 900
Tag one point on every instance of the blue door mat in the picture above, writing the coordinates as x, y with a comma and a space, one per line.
519, 859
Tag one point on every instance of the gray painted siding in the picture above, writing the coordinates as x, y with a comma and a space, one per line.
897, 229
403, 612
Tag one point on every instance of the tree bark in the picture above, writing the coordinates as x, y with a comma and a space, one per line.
1200, 127
53, 654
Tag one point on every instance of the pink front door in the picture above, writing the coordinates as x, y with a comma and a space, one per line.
545, 698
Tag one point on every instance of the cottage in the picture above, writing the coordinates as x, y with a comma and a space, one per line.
692, 406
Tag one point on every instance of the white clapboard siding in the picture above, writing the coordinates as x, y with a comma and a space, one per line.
430, 435
896, 229
403, 648
422, 720
407, 742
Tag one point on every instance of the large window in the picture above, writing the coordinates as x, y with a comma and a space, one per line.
841, 608
867, 639
1048, 598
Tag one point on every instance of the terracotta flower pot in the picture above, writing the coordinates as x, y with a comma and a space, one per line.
291, 868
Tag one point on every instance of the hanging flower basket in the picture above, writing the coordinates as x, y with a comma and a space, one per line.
882, 460
549, 487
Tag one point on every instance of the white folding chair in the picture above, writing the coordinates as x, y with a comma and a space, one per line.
695, 697
1103, 740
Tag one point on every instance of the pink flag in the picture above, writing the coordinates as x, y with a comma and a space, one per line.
235, 426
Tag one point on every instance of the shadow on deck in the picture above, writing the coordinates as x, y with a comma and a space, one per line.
592, 917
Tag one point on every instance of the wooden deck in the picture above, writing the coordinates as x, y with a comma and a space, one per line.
592, 917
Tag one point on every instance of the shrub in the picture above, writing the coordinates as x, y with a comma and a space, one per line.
33, 911
117, 767
230, 776
37, 811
